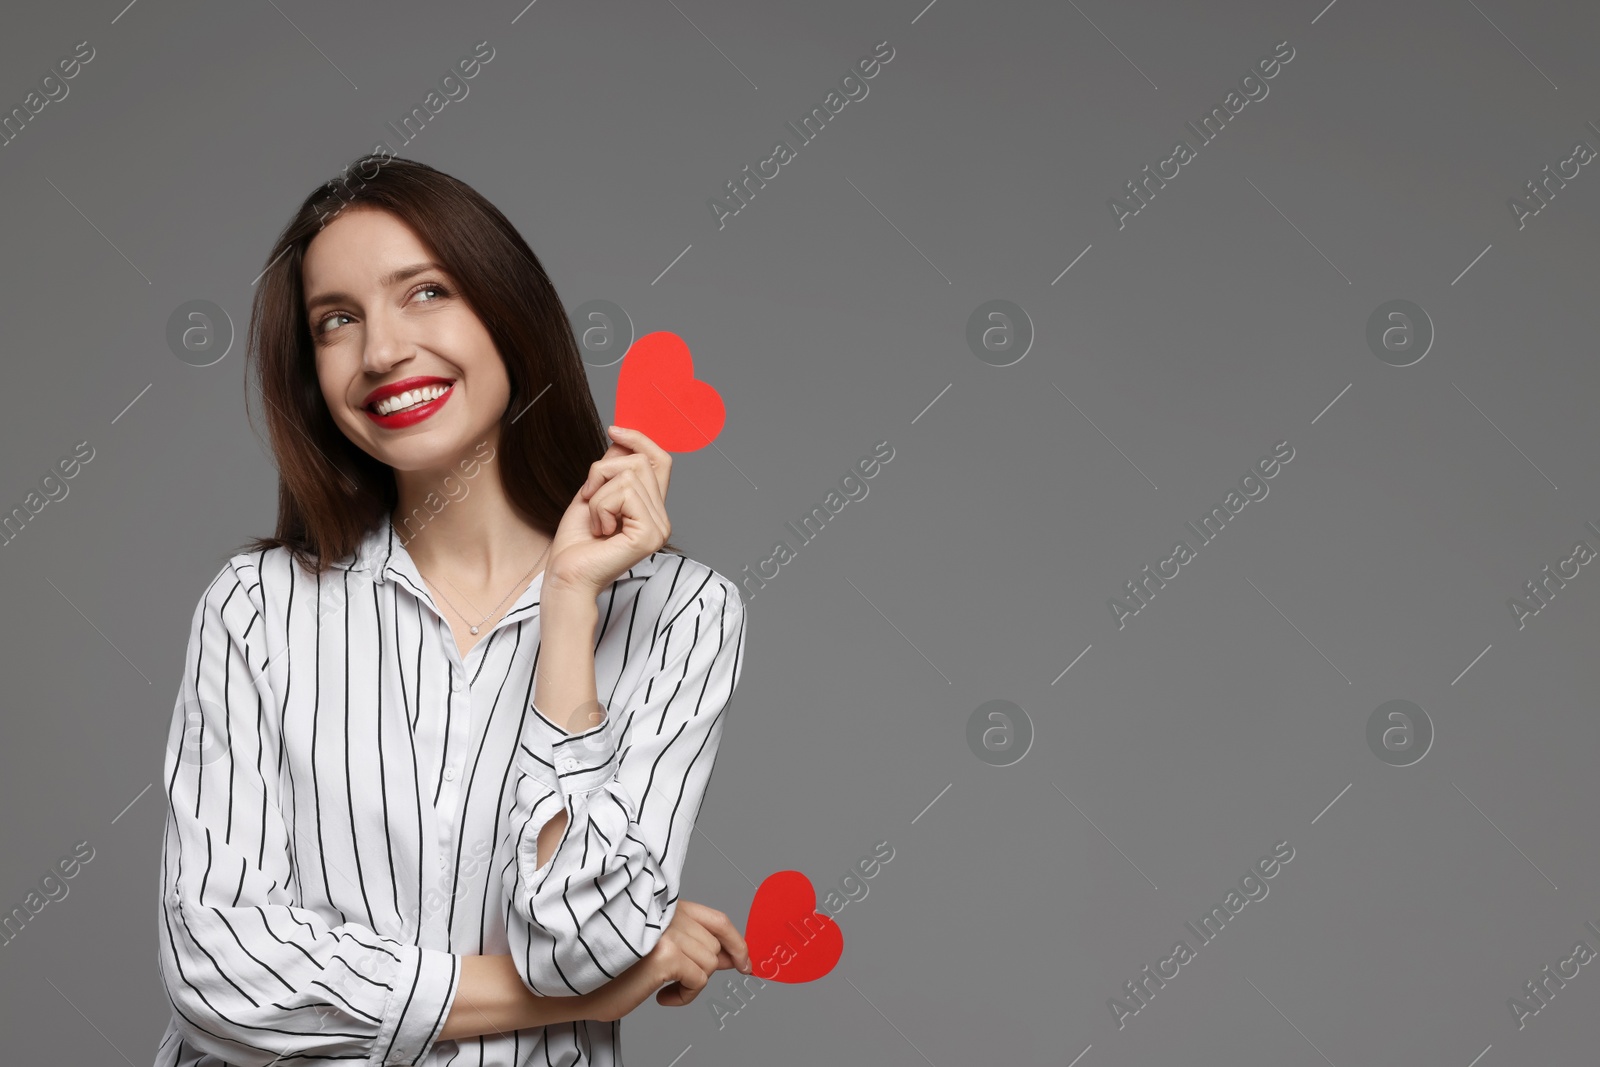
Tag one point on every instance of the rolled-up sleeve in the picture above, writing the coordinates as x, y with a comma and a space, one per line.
254, 977
631, 787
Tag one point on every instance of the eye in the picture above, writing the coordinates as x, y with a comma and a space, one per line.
319, 326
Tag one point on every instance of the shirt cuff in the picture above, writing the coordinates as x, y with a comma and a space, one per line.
424, 988
577, 763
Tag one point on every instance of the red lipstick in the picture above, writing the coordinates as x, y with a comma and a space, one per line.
412, 415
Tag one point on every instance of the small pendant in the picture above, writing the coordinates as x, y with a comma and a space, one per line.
474, 629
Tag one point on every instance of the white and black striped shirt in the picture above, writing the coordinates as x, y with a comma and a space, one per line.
352, 807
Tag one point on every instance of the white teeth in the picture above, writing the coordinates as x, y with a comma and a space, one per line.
411, 398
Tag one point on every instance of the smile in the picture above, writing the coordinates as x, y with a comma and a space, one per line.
410, 407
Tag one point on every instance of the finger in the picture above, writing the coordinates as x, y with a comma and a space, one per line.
660, 458
604, 470
678, 994
607, 508
731, 939
704, 944
717, 925
657, 478
638, 441
621, 500
705, 959
694, 941
650, 495
674, 996
597, 470
691, 978
688, 996
691, 917
610, 501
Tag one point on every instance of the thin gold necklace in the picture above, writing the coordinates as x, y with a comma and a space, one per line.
473, 626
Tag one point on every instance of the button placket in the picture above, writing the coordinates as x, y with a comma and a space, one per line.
460, 732
460, 720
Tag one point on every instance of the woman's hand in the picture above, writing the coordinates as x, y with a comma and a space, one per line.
617, 517
698, 942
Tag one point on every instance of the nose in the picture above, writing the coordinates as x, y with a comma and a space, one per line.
384, 344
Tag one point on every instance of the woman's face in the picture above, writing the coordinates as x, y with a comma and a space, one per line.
379, 315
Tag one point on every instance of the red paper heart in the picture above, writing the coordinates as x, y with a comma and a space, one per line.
658, 395
789, 940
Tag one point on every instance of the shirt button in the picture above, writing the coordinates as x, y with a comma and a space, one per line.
457, 684
568, 764
449, 774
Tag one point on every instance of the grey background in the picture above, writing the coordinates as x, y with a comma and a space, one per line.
980, 564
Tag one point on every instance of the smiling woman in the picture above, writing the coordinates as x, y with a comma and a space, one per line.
537, 672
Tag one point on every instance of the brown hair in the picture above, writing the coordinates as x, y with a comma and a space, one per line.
330, 492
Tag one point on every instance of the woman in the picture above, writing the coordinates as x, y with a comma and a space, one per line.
441, 741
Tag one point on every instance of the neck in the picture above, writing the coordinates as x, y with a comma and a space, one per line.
465, 530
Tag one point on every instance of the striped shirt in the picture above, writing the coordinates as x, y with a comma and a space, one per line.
352, 807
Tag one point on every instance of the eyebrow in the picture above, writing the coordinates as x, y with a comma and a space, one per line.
391, 279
